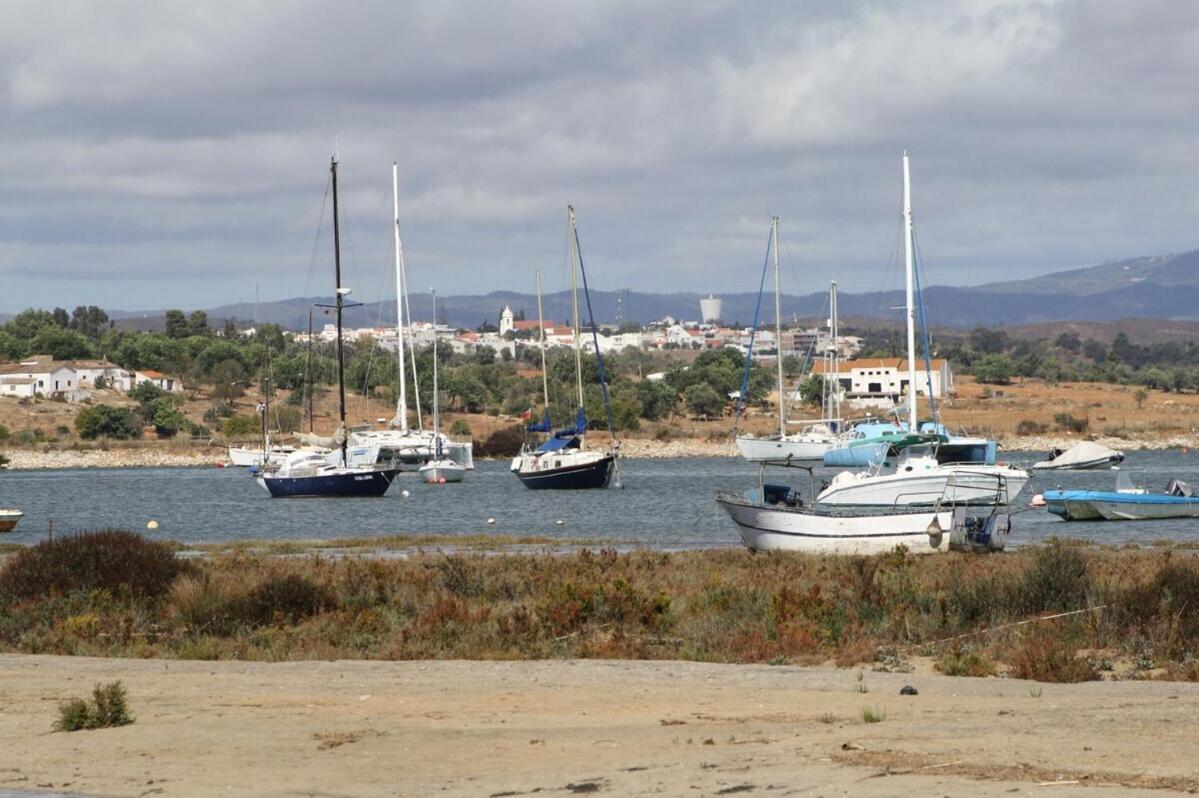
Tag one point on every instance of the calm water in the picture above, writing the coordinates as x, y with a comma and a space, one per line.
666, 503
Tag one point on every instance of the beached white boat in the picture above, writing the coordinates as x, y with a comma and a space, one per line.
773, 517
1082, 455
9, 518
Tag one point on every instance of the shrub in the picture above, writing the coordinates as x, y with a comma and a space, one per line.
1046, 655
109, 560
1030, 427
1057, 579
956, 662
3, 433
460, 428
505, 442
290, 597
106, 421
703, 400
242, 426
108, 707
1068, 423
994, 368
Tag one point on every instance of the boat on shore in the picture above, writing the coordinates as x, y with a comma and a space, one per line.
1080, 456
774, 517
9, 518
1128, 502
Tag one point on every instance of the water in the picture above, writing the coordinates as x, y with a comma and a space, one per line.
665, 504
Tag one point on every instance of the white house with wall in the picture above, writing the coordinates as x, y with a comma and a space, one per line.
158, 379
879, 382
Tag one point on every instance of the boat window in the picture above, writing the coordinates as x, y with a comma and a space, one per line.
557, 464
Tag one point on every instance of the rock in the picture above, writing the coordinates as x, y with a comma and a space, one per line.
907, 689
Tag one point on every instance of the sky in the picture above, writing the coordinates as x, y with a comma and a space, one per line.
176, 154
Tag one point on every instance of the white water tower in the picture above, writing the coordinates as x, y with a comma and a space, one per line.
710, 309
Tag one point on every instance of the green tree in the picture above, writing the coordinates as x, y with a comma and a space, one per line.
176, 325
997, 369
703, 400
60, 317
987, 341
28, 323
164, 414
106, 421
242, 427
62, 344
197, 323
89, 320
1069, 342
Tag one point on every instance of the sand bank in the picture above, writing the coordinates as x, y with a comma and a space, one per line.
601, 727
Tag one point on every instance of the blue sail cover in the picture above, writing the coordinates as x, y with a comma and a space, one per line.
544, 425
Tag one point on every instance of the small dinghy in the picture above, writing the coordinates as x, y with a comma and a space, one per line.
1086, 454
1128, 502
9, 518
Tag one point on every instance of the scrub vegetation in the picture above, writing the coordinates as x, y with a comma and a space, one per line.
968, 614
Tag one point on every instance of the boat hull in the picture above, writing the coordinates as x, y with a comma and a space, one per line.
9, 519
1093, 505
804, 529
437, 473
352, 484
1099, 462
763, 449
859, 456
979, 486
595, 474
245, 457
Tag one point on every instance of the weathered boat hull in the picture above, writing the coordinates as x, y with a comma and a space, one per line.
765, 528
9, 519
439, 472
1094, 505
758, 450
973, 485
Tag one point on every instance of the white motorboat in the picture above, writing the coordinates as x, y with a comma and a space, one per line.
919, 480
773, 517
1082, 455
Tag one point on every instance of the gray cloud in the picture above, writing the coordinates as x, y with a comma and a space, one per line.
168, 155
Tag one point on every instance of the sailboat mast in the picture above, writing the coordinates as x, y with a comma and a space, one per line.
402, 399
545, 381
911, 302
339, 299
309, 381
436, 414
778, 325
574, 291
834, 356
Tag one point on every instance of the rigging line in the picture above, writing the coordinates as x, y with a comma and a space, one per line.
599, 358
924, 338
370, 360
320, 224
753, 333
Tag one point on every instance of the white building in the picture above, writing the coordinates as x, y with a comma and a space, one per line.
158, 379
882, 381
41, 375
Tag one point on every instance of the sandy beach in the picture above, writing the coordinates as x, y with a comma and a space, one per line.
574, 727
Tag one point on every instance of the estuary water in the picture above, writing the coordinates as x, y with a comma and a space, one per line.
664, 504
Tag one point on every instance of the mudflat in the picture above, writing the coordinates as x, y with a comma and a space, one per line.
569, 727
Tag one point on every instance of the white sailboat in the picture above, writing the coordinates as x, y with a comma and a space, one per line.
811, 442
399, 444
919, 479
440, 469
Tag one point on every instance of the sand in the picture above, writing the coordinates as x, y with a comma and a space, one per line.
580, 727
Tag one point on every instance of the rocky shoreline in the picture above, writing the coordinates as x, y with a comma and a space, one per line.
640, 448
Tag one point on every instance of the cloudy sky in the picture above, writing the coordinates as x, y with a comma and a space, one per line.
176, 154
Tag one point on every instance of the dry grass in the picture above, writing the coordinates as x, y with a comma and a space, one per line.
722, 606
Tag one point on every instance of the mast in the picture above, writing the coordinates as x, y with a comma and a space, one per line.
402, 400
339, 299
574, 291
911, 303
778, 326
436, 415
308, 381
834, 356
545, 382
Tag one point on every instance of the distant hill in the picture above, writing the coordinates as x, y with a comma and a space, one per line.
1162, 287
